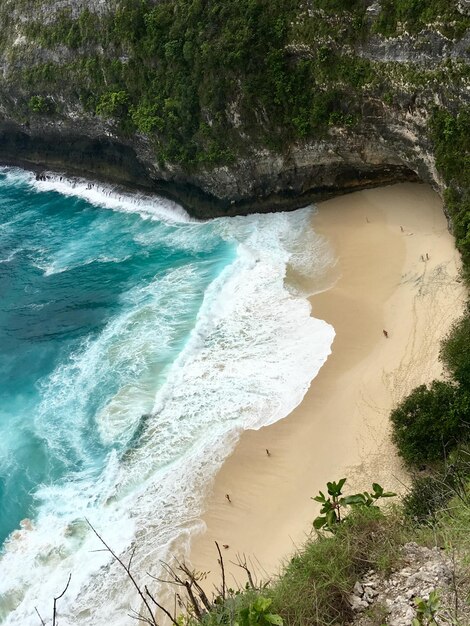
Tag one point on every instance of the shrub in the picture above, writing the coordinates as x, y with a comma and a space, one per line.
427, 496
40, 104
450, 133
455, 350
417, 14
113, 104
427, 424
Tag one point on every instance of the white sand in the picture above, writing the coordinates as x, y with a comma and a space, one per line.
341, 428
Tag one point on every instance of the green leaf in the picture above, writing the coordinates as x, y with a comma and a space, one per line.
274, 619
319, 522
377, 489
433, 602
357, 498
245, 617
421, 604
334, 489
327, 507
331, 519
261, 604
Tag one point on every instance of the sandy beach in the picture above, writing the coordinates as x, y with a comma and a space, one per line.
385, 282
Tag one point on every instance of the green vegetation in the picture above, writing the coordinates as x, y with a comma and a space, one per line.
113, 103
250, 608
427, 610
414, 15
427, 496
39, 104
428, 423
315, 585
179, 77
314, 588
333, 508
455, 351
208, 81
431, 491
258, 613
450, 133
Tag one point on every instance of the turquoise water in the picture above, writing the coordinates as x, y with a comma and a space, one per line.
67, 270
135, 346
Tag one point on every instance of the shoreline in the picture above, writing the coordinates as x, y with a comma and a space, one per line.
341, 428
116, 165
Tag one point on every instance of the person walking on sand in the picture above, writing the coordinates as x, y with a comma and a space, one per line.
267, 452
385, 334
228, 497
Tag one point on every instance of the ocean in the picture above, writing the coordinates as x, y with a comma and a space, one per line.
136, 344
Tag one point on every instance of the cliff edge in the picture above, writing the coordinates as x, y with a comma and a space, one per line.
237, 107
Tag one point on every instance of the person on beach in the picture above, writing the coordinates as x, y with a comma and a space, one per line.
267, 452
228, 498
385, 334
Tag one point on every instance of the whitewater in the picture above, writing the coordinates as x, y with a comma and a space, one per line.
136, 344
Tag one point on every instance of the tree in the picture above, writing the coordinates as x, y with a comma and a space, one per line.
455, 351
428, 423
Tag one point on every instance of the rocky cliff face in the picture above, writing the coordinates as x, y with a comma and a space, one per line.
368, 84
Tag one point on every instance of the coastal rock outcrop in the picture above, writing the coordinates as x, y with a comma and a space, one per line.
424, 571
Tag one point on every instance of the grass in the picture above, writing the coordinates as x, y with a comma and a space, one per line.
315, 586
453, 528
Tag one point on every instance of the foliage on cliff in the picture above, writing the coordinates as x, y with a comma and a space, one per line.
451, 137
206, 81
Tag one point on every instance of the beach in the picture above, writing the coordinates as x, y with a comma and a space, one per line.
397, 271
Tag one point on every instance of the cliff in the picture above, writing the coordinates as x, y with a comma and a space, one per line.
235, 107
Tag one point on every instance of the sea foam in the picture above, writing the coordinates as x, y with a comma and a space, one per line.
251, 355
100, 194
